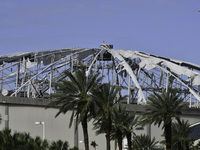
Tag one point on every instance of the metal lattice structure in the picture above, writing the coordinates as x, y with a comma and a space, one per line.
32, 74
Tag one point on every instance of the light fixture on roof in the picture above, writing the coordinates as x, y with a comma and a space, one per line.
4, 92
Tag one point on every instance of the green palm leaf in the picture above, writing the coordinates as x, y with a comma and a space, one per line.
74, 95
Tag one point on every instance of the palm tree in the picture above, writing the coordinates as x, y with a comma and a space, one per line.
6, 140
123, 122
162, 108
105, 97
117, 127
21, 141
35, 144
74, 95
38, 143
181, 131
143, 142
94, 144
59, 145
129, 121
45, 144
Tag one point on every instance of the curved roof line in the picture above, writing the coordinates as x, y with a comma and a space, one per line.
16, 56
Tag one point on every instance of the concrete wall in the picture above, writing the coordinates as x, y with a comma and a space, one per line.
23, 113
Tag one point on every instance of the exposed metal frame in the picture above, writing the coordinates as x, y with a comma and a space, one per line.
32, 74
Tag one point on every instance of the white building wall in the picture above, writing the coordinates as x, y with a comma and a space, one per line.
22, 118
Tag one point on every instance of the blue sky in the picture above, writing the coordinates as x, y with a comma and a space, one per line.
168, 28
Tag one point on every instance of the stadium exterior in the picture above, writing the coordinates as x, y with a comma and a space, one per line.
28, 78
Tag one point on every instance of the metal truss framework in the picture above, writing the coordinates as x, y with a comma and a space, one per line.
32, 74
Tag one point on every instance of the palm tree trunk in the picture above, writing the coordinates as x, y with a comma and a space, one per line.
168, 135
120, 142
85, 133
179, 146
108, 140
187, 145
128, 136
